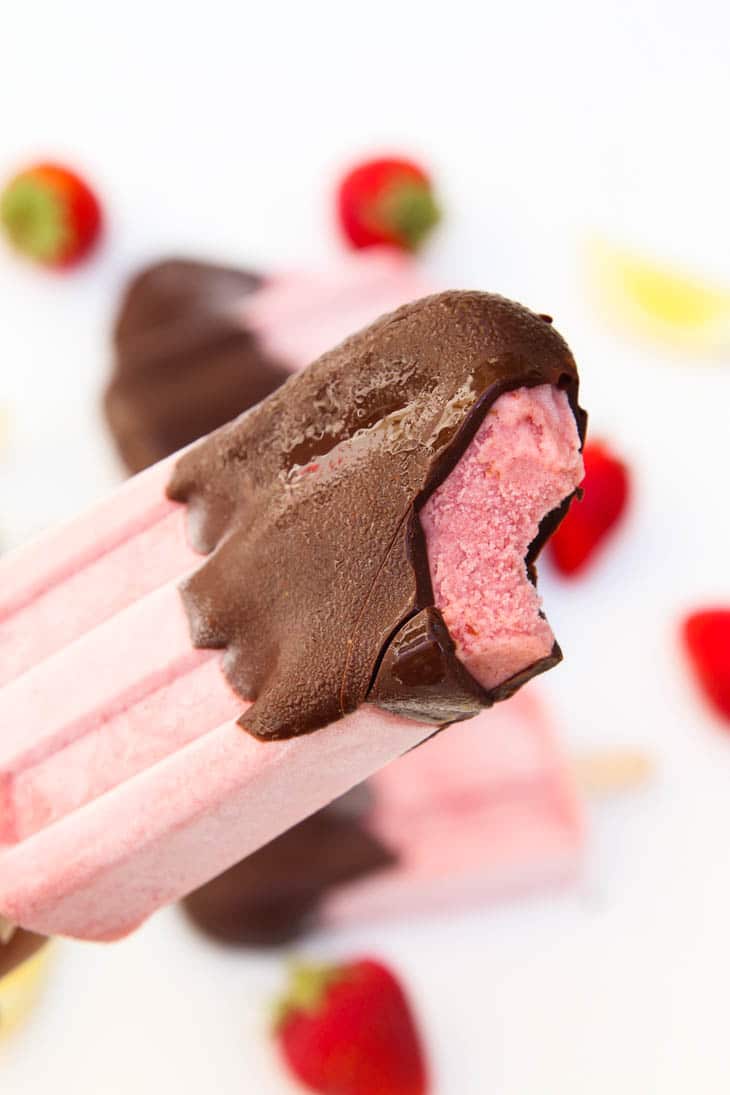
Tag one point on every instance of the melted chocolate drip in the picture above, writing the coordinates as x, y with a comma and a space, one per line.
184, 363
307, 506
273, 896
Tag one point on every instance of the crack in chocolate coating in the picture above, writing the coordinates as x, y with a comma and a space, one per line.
184, 363
274, 895
308, 509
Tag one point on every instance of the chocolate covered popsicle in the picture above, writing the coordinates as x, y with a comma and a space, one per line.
371, 531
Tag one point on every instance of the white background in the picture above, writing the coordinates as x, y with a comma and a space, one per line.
216, 130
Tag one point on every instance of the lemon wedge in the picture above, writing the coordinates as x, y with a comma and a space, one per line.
656, 300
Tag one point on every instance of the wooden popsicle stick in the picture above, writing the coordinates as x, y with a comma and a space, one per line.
612, 769
7, 930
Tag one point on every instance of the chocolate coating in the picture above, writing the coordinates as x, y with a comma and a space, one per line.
420, 664
273, 896
184, 364
308, 509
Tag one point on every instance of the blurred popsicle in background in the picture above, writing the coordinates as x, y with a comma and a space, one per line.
197, 344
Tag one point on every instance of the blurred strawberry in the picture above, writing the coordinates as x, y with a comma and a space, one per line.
387, 201
706, 636
590, 519
50, 215
348, 1030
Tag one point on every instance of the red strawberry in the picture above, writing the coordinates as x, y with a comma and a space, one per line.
707, 638
348, 1030
50, 215
591, 518
387, 201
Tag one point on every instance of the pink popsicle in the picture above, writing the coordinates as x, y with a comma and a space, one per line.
124, 778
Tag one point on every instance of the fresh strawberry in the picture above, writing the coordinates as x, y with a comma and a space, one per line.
706, 635
592, 517
50, 215
387, 201
348, 1030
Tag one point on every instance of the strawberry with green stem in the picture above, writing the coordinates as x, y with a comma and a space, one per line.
387, 202
349, 1030
50, 215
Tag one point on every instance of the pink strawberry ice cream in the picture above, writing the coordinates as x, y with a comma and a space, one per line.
524, 460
